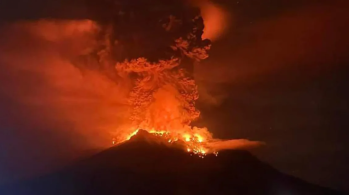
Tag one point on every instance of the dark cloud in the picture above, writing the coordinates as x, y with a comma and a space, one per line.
312, 37
59, 105
38, 9
279, 76
264, 73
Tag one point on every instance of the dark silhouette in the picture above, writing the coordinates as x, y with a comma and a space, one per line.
146, 165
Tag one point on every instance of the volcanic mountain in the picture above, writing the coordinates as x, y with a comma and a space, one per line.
147, 165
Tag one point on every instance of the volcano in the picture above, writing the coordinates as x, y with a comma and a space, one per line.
148, 165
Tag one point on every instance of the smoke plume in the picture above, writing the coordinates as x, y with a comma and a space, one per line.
48, 103
44, 77
69, 85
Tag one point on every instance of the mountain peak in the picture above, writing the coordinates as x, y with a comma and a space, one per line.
146, 164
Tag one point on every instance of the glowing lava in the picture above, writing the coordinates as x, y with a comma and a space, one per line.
193, 143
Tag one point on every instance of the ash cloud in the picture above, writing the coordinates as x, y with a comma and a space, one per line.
38, 71
308, 36
58, 98
59, 92
52, 111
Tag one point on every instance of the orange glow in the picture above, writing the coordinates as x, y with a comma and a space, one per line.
155, 96
216, 19
162, 102
132, 134
186, 137
194, 142
199, 138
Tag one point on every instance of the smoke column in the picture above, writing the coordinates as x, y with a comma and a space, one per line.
70, 85
153, 51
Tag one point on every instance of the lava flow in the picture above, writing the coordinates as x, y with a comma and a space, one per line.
193, 143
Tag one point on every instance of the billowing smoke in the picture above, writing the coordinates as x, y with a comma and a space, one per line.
51, 109
151, 49
75, 84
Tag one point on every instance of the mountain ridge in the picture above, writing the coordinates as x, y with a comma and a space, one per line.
146, 164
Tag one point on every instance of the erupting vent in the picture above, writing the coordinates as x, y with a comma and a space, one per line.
194, 144
153, 57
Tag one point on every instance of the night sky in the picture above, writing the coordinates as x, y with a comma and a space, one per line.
278, 75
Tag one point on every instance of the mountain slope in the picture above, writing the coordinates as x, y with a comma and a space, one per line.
145, 165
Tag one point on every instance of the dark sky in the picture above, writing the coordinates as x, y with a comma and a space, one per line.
278, 75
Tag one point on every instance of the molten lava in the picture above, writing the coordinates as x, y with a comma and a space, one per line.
194, 143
